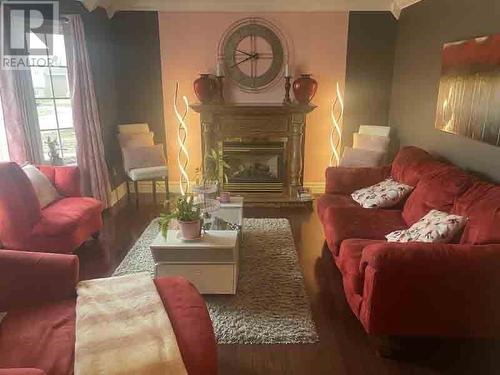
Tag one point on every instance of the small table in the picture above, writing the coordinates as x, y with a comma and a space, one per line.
211, 263
231, 212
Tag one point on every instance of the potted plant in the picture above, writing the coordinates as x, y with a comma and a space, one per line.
207, 181
55, 158
188, 216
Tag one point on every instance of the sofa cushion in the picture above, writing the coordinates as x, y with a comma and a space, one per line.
45, 191
42, 337
370, 142
387, 193
481, 205
361, 158
342, 223
66, 215
333, 200
148, 173
191, 323
412, 163
66, 179
436, 226
143, 157
437, 191
348, 261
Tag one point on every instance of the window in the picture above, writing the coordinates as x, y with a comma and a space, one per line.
53, 103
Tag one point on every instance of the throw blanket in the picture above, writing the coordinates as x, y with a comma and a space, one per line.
122, 328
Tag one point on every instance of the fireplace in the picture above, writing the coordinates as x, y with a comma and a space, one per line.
254, 166
263, 144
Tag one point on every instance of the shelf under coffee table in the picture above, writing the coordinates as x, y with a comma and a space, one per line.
210, 263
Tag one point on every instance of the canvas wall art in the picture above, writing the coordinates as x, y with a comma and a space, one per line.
469, 89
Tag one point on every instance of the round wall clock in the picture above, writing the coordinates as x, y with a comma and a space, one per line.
253, 54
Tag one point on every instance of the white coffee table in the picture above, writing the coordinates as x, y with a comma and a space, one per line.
232, 212
211, 263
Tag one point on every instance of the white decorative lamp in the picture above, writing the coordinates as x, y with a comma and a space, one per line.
182, 134
336, 115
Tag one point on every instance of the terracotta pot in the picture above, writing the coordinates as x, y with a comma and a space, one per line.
205, 88
190, 230
304, 88
225, 197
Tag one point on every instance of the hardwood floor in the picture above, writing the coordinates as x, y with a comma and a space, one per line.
344, 348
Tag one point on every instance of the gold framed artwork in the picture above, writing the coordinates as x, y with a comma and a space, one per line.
469, 89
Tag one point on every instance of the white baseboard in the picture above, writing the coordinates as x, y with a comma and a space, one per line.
146, 187
117, 194
316, 187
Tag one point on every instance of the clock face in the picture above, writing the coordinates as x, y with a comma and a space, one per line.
253, 55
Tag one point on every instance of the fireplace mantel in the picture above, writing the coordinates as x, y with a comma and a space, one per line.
275, 108
257, 123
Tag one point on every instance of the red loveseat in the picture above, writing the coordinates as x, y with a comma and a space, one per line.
38, 333
60, 227
416, 289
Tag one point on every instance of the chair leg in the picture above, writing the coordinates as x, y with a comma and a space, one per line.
128, 191
154, 192
136, 188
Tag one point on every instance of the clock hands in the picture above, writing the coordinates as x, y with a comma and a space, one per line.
252, 56
243, 52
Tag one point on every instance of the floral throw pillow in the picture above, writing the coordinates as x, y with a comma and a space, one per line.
387, 193
436, 226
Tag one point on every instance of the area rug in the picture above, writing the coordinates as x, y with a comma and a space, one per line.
271, 304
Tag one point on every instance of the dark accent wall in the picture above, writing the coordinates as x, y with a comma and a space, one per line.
370, 58
136, 45
98, 35
124, 54
423, 28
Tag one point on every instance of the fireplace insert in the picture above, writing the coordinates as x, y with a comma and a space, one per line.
254, 166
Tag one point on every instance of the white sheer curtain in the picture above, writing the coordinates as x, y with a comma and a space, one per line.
90, 145
4, 147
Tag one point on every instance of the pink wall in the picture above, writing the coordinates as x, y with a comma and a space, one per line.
317, 43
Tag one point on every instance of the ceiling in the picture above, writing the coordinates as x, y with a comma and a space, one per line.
113, 6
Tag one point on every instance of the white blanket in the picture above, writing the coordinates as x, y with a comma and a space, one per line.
123, 328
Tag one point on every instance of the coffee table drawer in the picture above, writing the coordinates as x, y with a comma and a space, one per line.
208, 278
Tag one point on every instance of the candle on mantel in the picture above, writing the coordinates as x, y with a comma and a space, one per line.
218, 69
286, 70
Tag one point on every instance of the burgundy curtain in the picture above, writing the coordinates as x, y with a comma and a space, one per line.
90, 146
20, 117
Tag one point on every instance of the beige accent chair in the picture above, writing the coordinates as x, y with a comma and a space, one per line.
142, 159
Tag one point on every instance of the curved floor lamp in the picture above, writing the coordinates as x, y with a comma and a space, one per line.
182, 134
336, 131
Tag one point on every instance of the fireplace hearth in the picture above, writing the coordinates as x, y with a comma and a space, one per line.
262, 143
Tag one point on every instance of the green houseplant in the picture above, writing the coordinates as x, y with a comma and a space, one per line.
187, 214
216, 166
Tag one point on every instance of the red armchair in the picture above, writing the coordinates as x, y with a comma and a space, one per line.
417, 289
60, 227
38, 334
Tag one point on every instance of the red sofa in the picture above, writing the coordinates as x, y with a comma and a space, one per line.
38, 334
416, 289
60, 227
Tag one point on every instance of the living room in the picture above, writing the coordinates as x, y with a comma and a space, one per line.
236, 187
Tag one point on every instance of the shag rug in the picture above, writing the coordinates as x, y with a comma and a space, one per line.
270, 306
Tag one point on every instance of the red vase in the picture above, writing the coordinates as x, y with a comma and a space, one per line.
205, 88
304, 88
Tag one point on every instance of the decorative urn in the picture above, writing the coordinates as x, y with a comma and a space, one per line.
205, 87
304, 88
